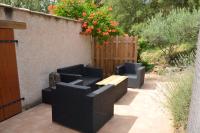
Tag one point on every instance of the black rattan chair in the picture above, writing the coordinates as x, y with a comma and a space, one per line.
89, 75
79, 108
135, 73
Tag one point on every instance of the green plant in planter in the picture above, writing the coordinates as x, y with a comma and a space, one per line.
97, 21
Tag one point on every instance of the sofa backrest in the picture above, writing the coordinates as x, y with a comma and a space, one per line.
132, 67
68, 103
76, 69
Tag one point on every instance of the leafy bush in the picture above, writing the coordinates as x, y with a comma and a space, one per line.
97, 21
143, 46
148, 67
153, 56
34, 5
165, 32
136, 28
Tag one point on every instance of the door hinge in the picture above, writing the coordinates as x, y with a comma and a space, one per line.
9, 41
11, 103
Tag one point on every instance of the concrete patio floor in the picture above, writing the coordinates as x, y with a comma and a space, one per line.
136, 112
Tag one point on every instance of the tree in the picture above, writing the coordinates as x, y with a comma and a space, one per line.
35, 5
130, 12
166, 32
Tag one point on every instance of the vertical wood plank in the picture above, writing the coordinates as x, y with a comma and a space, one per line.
9, 84
120, 49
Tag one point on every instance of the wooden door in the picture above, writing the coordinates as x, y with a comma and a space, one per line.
9, 85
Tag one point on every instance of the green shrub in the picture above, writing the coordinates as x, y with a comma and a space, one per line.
148, 66
166, 32
153, 56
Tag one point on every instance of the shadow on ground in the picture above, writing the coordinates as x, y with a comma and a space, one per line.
119, 124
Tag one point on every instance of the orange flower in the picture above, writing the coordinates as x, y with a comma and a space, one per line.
89, 30
110, 9
109, 31
91, 16
84, 25
98, 30
106, 42
91, 27
105, 33
114, 30
84, 14
114, 23
95, 22
51, 7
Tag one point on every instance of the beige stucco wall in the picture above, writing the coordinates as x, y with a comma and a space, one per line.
48, 43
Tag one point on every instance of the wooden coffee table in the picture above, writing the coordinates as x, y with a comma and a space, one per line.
120, 85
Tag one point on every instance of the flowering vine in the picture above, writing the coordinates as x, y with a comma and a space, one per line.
96, 21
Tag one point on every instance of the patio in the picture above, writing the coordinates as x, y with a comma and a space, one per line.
136, 112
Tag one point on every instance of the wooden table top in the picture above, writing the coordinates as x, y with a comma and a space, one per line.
113, 80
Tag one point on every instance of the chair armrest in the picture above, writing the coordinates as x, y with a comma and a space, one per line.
99, 108
141, 74
69, 77
120, 70
100, 90
94, 72
77, 82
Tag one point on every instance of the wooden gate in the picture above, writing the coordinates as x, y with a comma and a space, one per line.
10, 101
119, 50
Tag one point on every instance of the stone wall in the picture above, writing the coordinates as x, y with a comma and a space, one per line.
48, 43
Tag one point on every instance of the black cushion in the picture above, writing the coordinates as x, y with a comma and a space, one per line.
89, 75
76, 69
130, 68
87, 81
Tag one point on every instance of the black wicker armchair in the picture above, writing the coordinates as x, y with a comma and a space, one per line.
135, 73
89, 75
79, 108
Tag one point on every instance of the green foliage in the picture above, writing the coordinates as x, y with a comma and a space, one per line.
153, 56
148, 67
131, 12
165, 32
178, 97
34, 5
128, 12
97, 21
143, 46
136, 29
